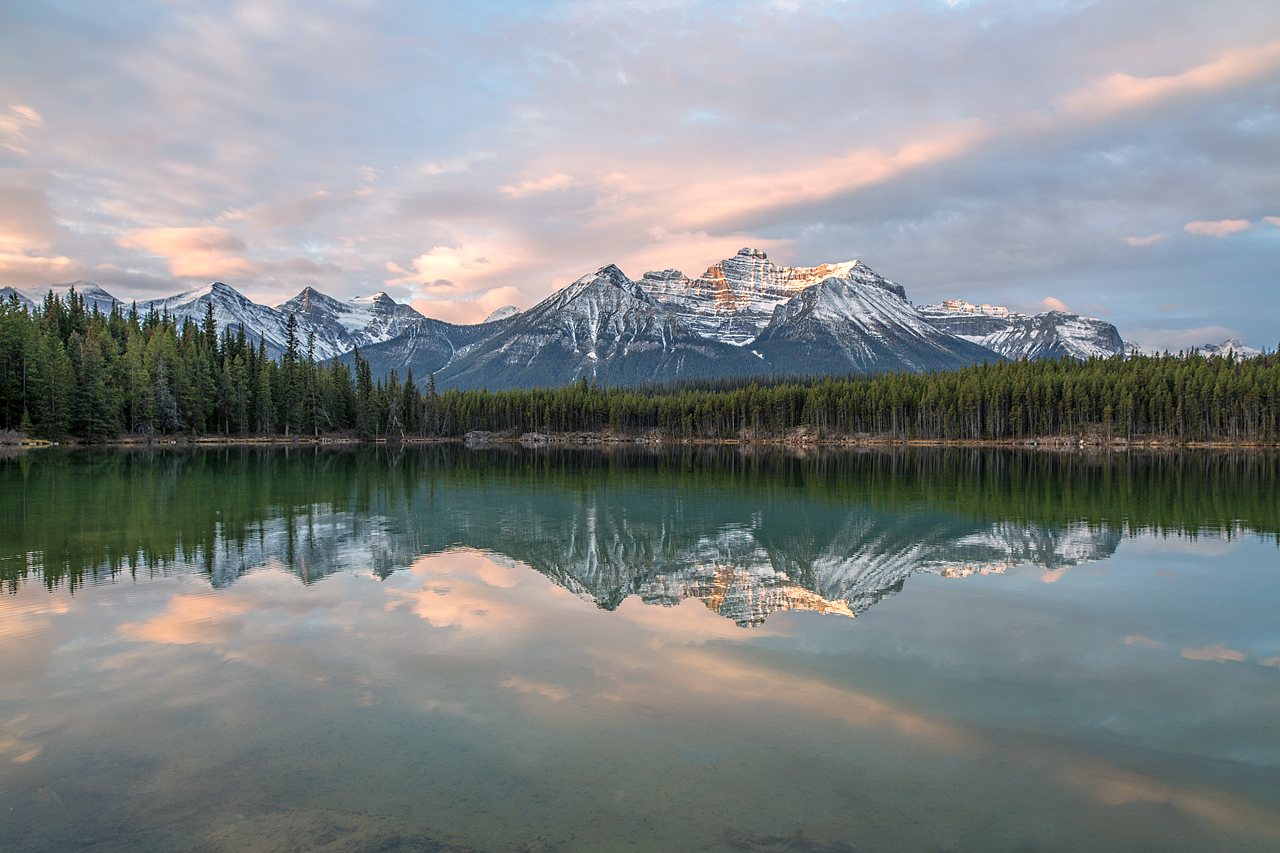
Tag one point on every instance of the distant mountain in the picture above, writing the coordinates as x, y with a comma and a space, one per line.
1052, 334
744, 316
857, 324
6, 293
427, 347
735, 299
604, 327
341, 326
91, 293
230, 308
1230, 347
502, 313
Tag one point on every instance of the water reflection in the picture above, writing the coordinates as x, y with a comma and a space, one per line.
747, 533
349, 651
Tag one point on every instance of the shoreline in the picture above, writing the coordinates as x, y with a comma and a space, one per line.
799, 439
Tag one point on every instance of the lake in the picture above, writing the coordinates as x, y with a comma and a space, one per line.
441, 648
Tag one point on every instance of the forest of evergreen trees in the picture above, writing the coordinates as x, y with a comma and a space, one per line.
70, 371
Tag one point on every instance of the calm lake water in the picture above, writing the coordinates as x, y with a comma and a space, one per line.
443, 649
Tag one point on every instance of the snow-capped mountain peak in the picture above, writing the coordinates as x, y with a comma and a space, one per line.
502, 313
1232, 346
858, 323
1048, 335
735, 298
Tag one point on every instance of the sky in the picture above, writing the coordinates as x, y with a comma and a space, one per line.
1121, 159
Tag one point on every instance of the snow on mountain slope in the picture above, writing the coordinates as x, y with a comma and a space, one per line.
341, 326
8, 292
230, 308
602, 326
502, 313
1230, 347
858, 324
1052, 334
734, 299
91, 293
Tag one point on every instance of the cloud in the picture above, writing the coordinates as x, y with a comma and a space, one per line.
14, 125
533, 142
1122, 93
1051, 304
471, 309
1175, 340
1166, 307
550, 183
1097, 310
1221, 228
1139, 640
1270, 662
1274, 220
201, 252
1221, 654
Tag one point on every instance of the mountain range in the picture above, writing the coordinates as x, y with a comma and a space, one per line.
744, 316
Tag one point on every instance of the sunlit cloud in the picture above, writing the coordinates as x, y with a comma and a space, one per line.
524, 154
1139, 640
14, 125
200, 252
1049, 303
1221, 654
474, 308
1123, 93
1221, 228
550, 183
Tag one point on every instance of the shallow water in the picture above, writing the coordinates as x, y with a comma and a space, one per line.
517, 650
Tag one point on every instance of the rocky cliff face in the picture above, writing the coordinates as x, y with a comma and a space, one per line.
858, 324
603, 326
734, 299
1052, 334
230, 309
341, 326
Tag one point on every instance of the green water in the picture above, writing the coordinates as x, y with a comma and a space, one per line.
436, 648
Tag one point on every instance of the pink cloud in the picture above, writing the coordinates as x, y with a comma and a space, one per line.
558, 181
1221, 654
1139, 640
1144, 241
1274, 220
1121, 93
14, 125
472, 310
1051, 304
202, 252
1220, 229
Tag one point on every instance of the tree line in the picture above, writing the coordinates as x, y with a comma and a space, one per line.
68, 370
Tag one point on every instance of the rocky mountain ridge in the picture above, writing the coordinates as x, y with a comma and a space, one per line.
1052, 334
744, 316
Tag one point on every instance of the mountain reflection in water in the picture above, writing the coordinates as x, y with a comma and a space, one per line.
747, 533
